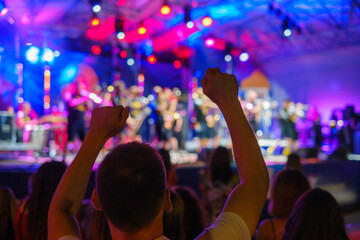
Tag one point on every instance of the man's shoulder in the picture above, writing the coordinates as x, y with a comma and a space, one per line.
228, 225
69, 237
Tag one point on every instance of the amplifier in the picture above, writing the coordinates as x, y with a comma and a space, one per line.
7, 129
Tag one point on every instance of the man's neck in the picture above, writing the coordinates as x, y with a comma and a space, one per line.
153, 231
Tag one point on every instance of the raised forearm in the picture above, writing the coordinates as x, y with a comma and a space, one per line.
75, 180
248, 158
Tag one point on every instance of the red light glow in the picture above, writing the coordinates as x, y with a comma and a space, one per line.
95, 22
177, 64
96, 50
165, 9
151, 59
207, 21
123, 54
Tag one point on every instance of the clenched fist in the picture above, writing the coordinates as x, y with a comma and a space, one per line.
108, 121
221, 88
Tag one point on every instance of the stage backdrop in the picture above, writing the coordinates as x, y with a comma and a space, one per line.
328, 80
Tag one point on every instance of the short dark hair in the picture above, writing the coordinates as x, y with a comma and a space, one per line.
131, 184
165, 156
286, 187
293, 161
316, 215
220, 166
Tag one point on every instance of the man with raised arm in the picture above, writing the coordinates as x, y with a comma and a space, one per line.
131, 185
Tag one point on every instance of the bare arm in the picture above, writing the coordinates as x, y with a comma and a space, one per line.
105, 122
248, 198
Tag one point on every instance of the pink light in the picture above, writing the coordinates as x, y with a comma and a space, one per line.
209, 42
25, 19
4, 11
121, 3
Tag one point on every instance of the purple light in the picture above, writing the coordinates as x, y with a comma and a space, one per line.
209, 42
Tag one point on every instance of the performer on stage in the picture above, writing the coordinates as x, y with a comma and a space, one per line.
77, 105
252, 109
287, 117
25, 116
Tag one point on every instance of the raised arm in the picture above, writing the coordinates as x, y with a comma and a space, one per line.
105, 123
248, 198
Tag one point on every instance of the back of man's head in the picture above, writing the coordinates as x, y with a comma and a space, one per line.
131, 185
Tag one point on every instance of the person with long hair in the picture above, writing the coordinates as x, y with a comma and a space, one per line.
316, 216
193, 212
287, 186
218, 183
31, 219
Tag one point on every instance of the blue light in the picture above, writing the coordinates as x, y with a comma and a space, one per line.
189, 24
287, 32
96, 8
70, 72
244, 57
32, 54
48, 55
224, 11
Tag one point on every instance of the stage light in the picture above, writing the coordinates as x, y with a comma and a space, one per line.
130, 61
287, 32
165, 9
123, 54
32, 54
141, 77
207, 21
56, 53
228, 58
209, 42
95, 21
96, 8
4, 11
244, 57
119, 28
121, 3
25, 19
48, 55
190, 24
187, 17
177, 64
110, 88
96, 50
120, 35
141, 29
151, 59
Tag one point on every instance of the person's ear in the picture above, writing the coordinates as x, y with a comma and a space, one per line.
95, 200
167, 201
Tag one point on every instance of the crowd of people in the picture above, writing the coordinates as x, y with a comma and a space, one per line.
137, 196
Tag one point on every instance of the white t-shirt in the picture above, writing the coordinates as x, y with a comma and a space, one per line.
70, 237
228, 225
